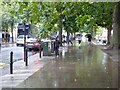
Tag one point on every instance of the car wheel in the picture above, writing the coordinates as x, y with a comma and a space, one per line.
30, 49
17, 44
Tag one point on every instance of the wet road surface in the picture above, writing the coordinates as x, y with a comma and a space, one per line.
18, 54
85, 67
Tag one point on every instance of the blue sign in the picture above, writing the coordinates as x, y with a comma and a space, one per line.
21, 29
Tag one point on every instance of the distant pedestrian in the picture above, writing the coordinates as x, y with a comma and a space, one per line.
56, 46
70, 38
64, 39
3, 37
89, 36
79, 38
8, 37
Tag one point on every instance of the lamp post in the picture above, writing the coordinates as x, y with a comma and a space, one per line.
25, 33
25, 47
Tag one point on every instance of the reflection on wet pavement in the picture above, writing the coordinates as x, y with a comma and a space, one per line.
87, 67
4, 45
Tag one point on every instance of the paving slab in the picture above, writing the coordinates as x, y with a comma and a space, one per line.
22, 72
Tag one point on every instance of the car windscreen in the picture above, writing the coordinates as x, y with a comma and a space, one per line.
20, 37
30, 37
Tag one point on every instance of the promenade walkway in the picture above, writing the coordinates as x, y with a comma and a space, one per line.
84, 67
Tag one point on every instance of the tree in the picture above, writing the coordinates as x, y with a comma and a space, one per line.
103, 18
116, 27
72, 16
8, 16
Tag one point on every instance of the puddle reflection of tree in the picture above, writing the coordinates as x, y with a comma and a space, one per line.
90, 50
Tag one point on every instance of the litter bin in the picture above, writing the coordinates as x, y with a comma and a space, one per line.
46, 48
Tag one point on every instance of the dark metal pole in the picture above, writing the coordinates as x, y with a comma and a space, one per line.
40, 51
11, 62
26, 56
25, 51
25, 47
24, 43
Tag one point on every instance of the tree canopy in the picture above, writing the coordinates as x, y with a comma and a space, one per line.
76, 16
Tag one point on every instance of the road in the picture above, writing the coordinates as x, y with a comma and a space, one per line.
18, 53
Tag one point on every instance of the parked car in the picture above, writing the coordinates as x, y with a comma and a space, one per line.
31, 42
33, 45
20, 39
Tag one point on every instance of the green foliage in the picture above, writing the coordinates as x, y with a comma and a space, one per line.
103, 16
76, 16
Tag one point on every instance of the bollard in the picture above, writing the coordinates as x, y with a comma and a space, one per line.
26, 55
40, 51
11, 62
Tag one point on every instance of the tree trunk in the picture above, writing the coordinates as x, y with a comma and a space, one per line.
93, 33
109, 34
60, 29
12, 24
6, 28
116, 27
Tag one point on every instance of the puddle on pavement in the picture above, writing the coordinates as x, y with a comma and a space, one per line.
85, 67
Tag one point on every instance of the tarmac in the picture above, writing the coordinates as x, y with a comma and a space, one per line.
75, 67
4, 45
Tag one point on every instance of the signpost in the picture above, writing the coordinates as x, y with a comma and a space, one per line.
21, 28
26, 28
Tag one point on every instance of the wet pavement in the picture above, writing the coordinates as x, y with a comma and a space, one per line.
4, 45
22, 72
84, 67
